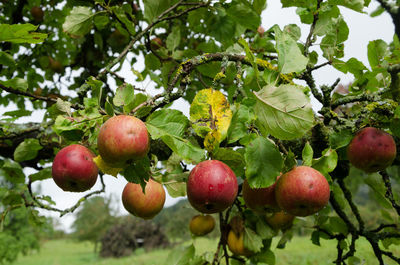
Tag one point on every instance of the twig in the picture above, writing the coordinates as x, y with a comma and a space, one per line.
389, 192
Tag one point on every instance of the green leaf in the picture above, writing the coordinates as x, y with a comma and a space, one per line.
315, 238
14, 171
290, 57
154, 8
336, 224
284, 112
122, 16
374, 181
174, 38
109, 108
101, 21
124, 95
184, 148
264, 230
16, 83
307, 154
266, 256
79, 22
356, 5
263, 163
21, 33
340, 139
41, 175
176, 189
244, 15
251, 240
138, 172
64, 106
232, 158
327, 162
377, 51
249, 55
259, 6
167, 122
6, 59
241, 119
181, 255
27, 150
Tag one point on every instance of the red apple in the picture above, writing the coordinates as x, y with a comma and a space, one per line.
122, 138
302, 191
201, 225
211, 187
371, 150
144, 205
73, 168
280, 220
260, 200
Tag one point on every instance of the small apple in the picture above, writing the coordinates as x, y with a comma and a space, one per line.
236, 244
302, 191
260, 31
211, 187
201, 225
122, 138
280, 220
73, 168
371, 150
156, 43
260, 200
37, 14
144, 205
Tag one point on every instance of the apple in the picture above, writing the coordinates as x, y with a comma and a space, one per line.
371, 150
211, 187
236, 244
156, 43
260, 200
144, 205
37, 14
260, 31
302, 191
73, 168
122, 138
280, 220
201, 225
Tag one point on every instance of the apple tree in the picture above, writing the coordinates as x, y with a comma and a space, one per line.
247, 93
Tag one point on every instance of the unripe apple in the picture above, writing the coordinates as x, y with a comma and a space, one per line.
122, 138
280, 220
236, 244
211, 187
302, 191
260, 200
371, 150
201, 225
144, 205
73, 168
260, 31
37, 14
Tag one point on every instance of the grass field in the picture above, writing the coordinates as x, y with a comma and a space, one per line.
300, 251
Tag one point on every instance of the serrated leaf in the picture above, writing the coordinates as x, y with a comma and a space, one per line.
315, 238
21, 33
174, 38
153, 8
290, 57
124, 95
16, 83
176, 189
263, 163
109, 108
210, 111
167, 122
356, 5
14, 172
251, 240
122, 16
307, 154
284, 112
184, 148
27, 150
244, 16
232, 158
64, 106
138, 172
241, 118
340, 139
41, 175
79, 22
6, 59
105, 167
377, 51
327, 162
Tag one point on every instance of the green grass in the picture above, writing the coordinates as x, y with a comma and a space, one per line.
299, 251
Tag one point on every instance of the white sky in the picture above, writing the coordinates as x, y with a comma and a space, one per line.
362, 30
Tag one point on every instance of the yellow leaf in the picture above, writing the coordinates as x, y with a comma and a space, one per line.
210, 112
105, 167
212, 140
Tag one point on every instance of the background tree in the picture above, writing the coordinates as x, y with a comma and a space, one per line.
93, 219
247, 107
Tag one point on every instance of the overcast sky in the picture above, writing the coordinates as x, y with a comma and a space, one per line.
362, 30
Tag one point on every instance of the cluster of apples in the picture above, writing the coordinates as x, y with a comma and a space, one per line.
121, 139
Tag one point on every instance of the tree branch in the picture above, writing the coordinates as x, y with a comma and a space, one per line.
389, 192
